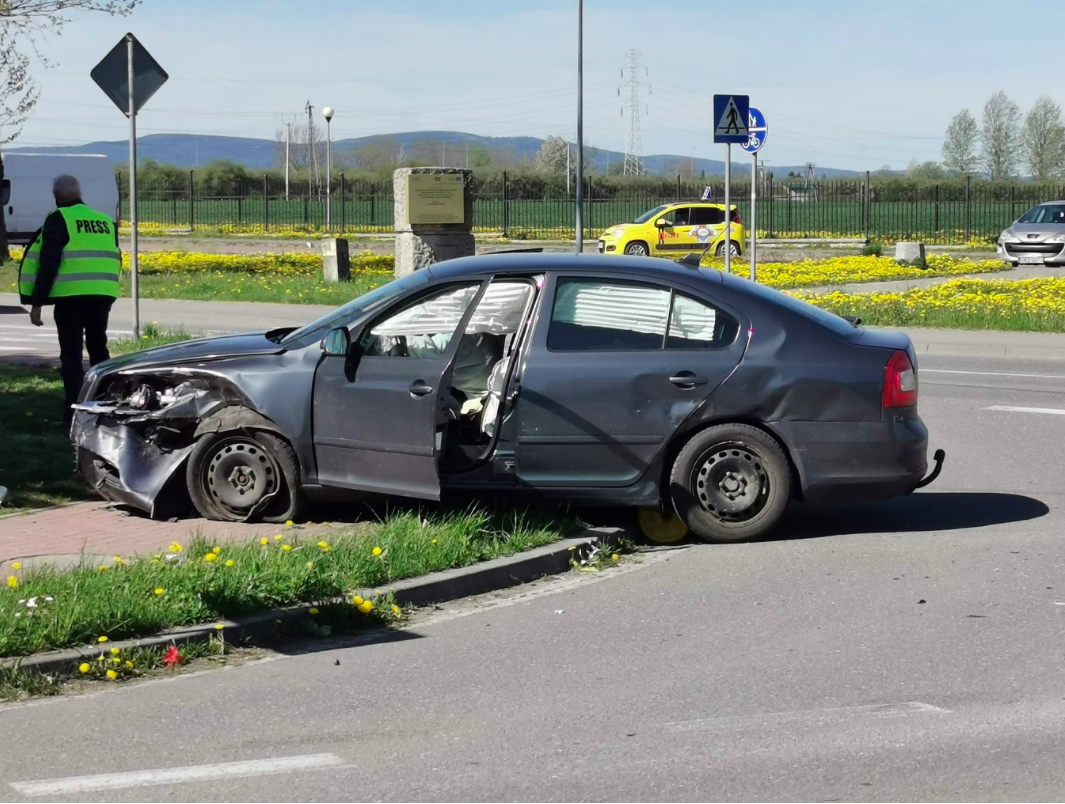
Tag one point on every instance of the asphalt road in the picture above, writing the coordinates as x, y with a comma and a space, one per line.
909, 650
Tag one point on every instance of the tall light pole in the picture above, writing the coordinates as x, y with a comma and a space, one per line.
580, 127
327, 112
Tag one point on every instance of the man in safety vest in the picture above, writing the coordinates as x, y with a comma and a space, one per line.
73, 263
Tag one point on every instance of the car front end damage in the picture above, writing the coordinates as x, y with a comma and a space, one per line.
136, 433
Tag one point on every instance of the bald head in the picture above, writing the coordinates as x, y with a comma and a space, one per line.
66, 190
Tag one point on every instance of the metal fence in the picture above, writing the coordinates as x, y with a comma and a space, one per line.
952, 212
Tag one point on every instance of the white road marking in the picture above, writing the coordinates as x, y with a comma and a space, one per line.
992, 374
873, 710
73, 785
1017, 409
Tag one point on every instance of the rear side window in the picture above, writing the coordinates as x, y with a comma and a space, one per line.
707, 216
840, 326
422, 330
607, 316
697, 325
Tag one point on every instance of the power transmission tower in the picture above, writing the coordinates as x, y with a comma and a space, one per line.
314, 152
810, 176
634, 150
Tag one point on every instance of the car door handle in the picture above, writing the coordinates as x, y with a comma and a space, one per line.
419, 388
688, 379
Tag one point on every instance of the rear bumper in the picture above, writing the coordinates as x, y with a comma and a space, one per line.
841, 463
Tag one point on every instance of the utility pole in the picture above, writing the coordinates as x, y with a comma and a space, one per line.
633, 159
568, 168
288, 147
314, 153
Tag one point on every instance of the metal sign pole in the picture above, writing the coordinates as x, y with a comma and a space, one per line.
754, 217
728, 208
133, 190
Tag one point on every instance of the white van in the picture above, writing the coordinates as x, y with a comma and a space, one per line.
27, 189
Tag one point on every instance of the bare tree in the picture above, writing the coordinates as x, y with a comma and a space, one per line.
1000, 136
1042, 139
959, 146
552, 155
22, 22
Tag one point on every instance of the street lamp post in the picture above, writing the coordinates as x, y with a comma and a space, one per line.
580, 127
327, 112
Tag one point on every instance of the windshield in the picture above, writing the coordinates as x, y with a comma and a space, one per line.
651, 213
363, 304
1045, 213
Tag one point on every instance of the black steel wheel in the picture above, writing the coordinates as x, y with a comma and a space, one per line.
239, 476
638, 249
731, 483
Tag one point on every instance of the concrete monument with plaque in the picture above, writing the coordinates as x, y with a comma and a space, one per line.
434, 216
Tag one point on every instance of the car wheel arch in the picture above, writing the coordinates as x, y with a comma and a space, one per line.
682, 437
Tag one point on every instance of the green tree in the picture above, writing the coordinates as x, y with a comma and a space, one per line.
1042, 139
552, 156
999, 137
479, 156
959, 145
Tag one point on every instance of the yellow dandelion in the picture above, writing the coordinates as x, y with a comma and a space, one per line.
119, 561
312, 611
103, 568
129, 664
356, 600
101, 639
264, 541
175, 547
289, 523
111, 674
614, 557
12, 582
84, 668
433, 541
115, 651
16, 565
210, 558
310, 565
377, 551
286, 547
366, 607
216, 550
219, 626
116, 660
396, 609
278, 537
159, 592
323, 545
230, 562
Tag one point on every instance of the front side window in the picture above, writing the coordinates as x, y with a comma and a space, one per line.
591, 315
651, 213
422, 330
679, 216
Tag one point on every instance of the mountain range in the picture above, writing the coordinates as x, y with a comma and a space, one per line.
196, 150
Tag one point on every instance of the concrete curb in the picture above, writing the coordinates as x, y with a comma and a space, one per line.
437, 587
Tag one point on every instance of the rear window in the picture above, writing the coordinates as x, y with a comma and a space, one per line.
840, 326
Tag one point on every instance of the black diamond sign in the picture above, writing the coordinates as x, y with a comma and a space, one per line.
112, 75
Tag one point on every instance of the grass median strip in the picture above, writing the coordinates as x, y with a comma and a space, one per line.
42, 608
1031, 305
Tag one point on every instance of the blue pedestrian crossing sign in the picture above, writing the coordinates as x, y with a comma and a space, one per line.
758, 131
731, 113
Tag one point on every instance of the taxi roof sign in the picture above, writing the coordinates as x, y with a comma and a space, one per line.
731, 113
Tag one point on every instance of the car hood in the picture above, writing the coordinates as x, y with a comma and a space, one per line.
1036, 232
198, 350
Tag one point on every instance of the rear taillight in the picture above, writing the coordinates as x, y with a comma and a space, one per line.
900, 382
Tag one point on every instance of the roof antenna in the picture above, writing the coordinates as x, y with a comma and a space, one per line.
691, 261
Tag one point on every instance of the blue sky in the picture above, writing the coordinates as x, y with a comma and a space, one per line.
843, 83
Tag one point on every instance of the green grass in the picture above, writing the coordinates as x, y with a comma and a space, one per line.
151, 336
121, 601
36, 460
226, 286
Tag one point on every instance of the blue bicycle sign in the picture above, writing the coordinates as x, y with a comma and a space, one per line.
757, 131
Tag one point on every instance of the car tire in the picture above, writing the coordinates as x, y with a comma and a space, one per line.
730, 483
231, 474
638, 249
720, 252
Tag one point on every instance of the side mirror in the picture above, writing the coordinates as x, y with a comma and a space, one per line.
662, 223
337, 342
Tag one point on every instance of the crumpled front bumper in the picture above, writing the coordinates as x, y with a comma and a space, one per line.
129, 455
122, 464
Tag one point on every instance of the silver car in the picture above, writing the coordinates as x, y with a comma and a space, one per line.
1037, 237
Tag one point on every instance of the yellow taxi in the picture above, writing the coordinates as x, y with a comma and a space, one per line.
674, 230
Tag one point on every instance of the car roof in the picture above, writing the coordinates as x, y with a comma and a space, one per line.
527, 262
696, 204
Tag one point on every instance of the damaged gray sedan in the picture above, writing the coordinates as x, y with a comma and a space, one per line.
707, 401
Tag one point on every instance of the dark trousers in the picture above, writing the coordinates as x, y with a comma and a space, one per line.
80, 320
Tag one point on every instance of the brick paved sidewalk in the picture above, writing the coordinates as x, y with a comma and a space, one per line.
94, 528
